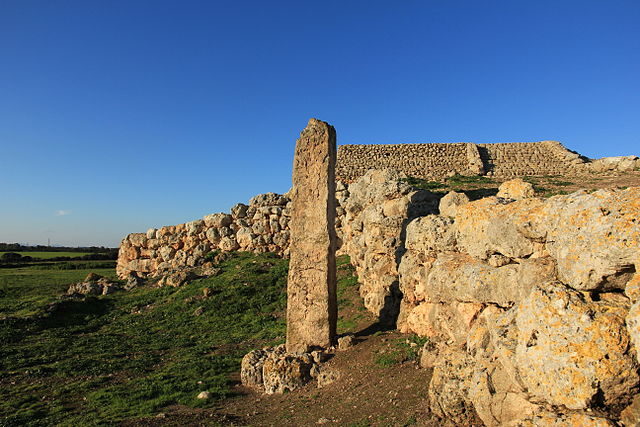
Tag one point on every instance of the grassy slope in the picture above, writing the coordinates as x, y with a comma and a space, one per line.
109, 358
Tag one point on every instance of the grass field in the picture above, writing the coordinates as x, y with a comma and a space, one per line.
49, 255
108, 359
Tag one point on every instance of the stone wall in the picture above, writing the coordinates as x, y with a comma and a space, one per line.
261, 226
531, 307
437, 161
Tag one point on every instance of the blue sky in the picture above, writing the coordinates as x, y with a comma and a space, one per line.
116, 116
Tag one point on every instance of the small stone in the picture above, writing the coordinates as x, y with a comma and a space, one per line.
205, 395
346, 342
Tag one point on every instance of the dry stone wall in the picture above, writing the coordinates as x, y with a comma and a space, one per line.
437, 161
260, 226
530, 307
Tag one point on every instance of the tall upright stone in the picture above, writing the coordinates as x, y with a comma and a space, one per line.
312, 307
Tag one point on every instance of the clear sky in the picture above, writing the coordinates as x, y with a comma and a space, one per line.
117, 116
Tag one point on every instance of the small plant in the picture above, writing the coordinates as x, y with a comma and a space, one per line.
560, 183
423, 184
460, 180
404, 350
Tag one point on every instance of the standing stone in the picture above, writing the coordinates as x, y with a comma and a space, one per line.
312, 308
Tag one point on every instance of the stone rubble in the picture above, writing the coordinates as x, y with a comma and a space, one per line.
94, 284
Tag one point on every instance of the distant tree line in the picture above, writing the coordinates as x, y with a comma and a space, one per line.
13, 257
17, 247
96, 253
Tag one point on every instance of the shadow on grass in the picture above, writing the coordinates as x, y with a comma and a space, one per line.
74, 312
374, 328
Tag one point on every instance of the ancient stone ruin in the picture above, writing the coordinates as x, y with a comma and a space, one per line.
312, 308
437, 161
531, 305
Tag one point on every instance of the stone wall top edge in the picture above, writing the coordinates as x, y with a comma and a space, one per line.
440, 143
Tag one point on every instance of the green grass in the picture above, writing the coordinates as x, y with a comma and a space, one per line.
101, 360
402, 350
48, 255
424, 184
26, 291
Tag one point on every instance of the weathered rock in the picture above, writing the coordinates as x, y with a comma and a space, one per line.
574, 351
569, 419
218, 220
633, 326
449, 203
287, 372
379, 206
443, 322
239, 210
431, 233
346, 342
311, 288
461, 278
448, 388
85, 288
326, 377
630, 416
93, 284
615, 164
594, 237
487, 226
251, 369
177, 278
516, 189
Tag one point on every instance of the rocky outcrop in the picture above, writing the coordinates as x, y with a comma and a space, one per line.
537, 298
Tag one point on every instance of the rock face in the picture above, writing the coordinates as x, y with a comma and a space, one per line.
377, 210
528, 296
312, 308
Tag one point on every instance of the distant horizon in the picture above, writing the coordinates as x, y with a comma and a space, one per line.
122, 116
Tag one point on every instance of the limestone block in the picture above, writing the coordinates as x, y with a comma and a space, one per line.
571, 348
286, 372
431, 233
516, 189
251, 369
311, 288
239, 211
443, 322
594, 237
151, 233
228, 244
450, 381
218, 220
450, 202
461, 278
